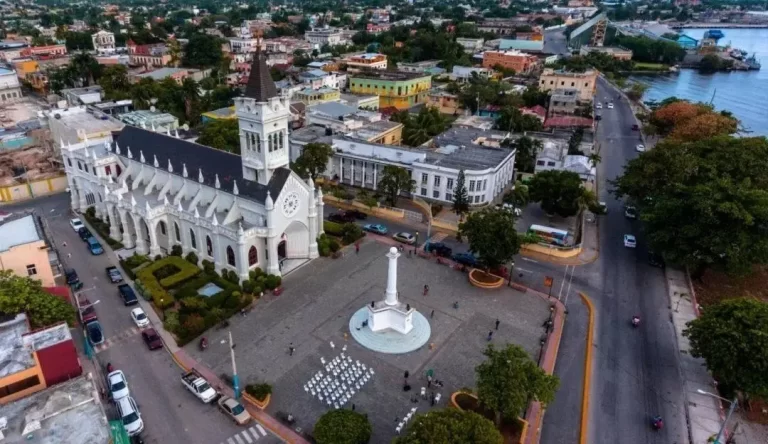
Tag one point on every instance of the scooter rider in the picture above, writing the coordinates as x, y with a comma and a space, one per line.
635, 320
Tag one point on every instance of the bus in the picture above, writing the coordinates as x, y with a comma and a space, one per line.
550, 235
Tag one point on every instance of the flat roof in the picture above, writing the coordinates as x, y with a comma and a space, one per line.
311, 134
458, 149
162, 73
78, 118
389, 75
334, 110
14, 356
147, 117
4, 71
18, 231
46, 337
67, 413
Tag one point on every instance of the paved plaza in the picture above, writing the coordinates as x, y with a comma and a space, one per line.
315, 309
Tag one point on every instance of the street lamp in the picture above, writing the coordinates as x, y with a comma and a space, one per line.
235, 377
730, 411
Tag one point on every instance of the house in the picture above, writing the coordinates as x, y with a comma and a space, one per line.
311, 96
24, 249
520, 62
423, 67
585, 82
364, 101
104, 42
82, 96
537, 111
531, 46
397, 89
320, 37
568, 122
10, 88
563, 102
151, 55
444, 101
463, 74
366, 61
470, 45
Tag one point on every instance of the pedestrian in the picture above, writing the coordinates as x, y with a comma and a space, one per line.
353, 406
432, 314
64, 244
406, 374
291, 349
456, 305
497, 324
433, 399
357, 247
426, 289
69, 255
490, 335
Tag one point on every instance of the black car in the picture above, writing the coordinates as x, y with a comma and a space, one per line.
655, 260
84, 233
128, 295
357, 214
95, 333
71, 276
341, 218
439, 249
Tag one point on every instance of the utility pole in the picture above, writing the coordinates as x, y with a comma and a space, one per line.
235, 378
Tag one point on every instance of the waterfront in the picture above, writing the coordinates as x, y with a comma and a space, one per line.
743, 93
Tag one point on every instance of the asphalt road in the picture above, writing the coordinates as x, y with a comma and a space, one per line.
170, 413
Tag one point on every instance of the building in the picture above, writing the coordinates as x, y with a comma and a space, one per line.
616, 52
470, 46
227, 113
356, 123
177, 74
537, 111
44, 52
563, 102
554, 154
444, 101
687, 41
384, 132
520, 62
395, 89
463, 74
69, 413
317, 78
311, 96
154, 120
244, 45
82, 96
501, 26
424, 67
366, 61
364, 101
152, 55
585, 82
104, 42
10, 89
526, 45
24, 250
239, 212
320, 37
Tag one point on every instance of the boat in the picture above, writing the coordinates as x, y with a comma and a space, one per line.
752, 62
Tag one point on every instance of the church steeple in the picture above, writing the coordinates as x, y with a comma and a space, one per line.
260, 85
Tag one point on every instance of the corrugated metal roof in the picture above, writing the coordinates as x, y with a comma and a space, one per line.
522, 45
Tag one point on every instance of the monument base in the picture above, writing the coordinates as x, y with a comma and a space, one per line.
398, 317
388, 340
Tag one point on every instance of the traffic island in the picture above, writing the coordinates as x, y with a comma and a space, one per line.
482, 279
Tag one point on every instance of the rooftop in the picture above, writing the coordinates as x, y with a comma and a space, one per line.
367, 56
79, 118
18, 231
316, 73
347, 97
563, 73
147, 117
160, 74
389, 75
14, 357
523, 45
4, 71
46, 337
333, 110
472, 121
374, 129
82, 91
325, 90
68, 413
312, 134
469, 148
509, 53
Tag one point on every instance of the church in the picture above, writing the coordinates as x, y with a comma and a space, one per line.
157, 190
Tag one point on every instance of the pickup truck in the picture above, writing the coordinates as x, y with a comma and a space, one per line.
88, 313
196, 384
114, 275
126, 292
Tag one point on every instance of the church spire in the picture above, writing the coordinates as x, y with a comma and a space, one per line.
260, 85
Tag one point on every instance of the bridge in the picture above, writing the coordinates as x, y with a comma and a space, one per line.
593, 32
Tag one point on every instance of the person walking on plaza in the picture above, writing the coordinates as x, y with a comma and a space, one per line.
490, 335
357, 247
291, 349
426, 289
497, 324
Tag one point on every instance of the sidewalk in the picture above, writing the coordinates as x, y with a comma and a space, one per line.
704, 413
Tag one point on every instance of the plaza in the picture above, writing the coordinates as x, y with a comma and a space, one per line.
313, 315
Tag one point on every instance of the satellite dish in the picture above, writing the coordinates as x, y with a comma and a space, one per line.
185, 127
152, 108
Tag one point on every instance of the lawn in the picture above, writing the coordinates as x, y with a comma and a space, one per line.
643, 66
717, 286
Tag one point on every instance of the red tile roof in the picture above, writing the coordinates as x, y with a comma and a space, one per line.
567, 121
60, 291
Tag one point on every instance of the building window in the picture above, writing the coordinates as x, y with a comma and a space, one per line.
118, 170
437, 181
108, 170
280, 136
253, 257
230, 256
436, 194
209, 245
449, 183
424, 178
192, 239
540, 163
477, 199
485, 183
162, 228
177, 231
449, 197
471, 185
69, 162
423, 191
31, 270
551, 164
573, 83
86, 168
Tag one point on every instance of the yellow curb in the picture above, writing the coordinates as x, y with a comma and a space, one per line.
176, 360
585, 395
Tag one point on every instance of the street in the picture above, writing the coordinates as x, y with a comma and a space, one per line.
170, 413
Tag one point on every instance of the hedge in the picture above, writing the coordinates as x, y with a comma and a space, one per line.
333, 229
157, 290
102, 228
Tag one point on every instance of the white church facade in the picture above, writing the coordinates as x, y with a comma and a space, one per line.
239, 212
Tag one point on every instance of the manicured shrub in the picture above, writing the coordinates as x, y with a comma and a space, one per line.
209, 266
351, 232
171, 321
165, 271
232, 276
176, 250
255, 273
158, 257
136, 260
191, 257
259, 391
333, 245
272, 281
333, 229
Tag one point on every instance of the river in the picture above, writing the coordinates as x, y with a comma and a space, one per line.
744, 93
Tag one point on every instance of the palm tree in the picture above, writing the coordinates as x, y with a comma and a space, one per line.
191, 94
594, 159
587, 199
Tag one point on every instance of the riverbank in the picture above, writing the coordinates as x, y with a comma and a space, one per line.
703, 25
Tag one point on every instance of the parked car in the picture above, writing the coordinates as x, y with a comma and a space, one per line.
84, 234
630, 241
655, 260
405, 237
195, 383
341, 218
630, 212
114, 275
95, 333
509, 207
439, 249
635, 127
76, 224
640, 148
87, 312
94, 246
610, 105
139, 317
128, 295
234, 410
71, 276
599, 105
357, 214
466, 258
129, 413
118, 386
152, 339
375, 228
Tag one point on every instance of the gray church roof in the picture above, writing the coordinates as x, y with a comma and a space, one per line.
260, 85
197, 157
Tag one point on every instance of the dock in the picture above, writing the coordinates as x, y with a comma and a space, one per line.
701, 25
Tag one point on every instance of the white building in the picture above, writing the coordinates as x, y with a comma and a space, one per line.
470, 45
243, 45
240, 212
104, 42
325, 36
10, 90
465, 73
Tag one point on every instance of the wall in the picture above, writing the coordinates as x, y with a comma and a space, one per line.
59, 362
20, 376
43, 187
17, 258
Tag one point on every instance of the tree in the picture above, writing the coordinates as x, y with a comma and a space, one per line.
394, 180
533, 96
191, 95
508, 380
705, 126
460, 195
492, 236
527, 149
313, 160
85, 68
342, 427
174, 50
703, 204
221, 134
420, 128
512, 119
450, 425
519, 196
732, 337
558, 192
636, 91
25, 295
202, 51
114, 82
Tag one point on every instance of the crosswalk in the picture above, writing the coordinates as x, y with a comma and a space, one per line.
437, 237
247, 436
116, 339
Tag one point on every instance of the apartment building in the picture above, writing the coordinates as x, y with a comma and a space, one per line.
585, 82
520, 62
395, 89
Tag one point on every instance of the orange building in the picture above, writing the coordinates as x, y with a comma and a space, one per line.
45, 51
521, 62
534, 35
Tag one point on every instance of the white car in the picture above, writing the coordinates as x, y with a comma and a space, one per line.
599, 105
630, 241
139, 318
76, 224
640, 148
118, 386
129, 413
610, 105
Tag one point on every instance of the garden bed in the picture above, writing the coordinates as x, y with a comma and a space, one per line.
512, 431
481, 279
165, 274
102, 228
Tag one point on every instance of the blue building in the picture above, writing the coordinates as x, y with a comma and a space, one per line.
687, 42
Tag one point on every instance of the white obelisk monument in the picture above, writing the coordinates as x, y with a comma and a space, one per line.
391, 314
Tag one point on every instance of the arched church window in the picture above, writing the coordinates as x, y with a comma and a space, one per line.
253, 257
192, 239
269, 142
230, 256
280, 137
178, 233
258, 143
209, 245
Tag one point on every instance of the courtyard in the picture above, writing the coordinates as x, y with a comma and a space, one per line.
314, 312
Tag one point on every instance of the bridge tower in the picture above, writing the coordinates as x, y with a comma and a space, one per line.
598, 32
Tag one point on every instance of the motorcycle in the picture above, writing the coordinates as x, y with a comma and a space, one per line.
635, 321
203, 344
657, 423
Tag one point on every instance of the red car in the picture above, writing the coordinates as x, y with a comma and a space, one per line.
152, 339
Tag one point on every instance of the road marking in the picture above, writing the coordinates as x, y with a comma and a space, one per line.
523, 269
231, 441
238, 439
529, 260
570, 280
254, 432
261, 430
116, 339
247, 436
562, 284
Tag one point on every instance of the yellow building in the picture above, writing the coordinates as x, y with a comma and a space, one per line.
219, 114
395, 89
311, 96
23, 249
382, 131
445, 102
584, 82
24, 67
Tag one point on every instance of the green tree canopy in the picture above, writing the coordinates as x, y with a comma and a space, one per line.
313, 160
221, 134
395, 180
202, 51
25, 295
419, 128
732, 337
492, 236
558, 192
527, 149
508, 380
342, 427
513, 120
450, 426
460, 195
